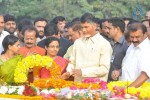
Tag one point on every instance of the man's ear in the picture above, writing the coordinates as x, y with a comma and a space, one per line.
118, 29
45, 48
94, 25
80, 33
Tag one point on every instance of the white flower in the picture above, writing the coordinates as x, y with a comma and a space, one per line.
52, 91
11, 90
38, 91
20, 90
69, 95
3, 90
45, 91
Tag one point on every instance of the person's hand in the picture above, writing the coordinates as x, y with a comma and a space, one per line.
115, 74
77, 72
65, 75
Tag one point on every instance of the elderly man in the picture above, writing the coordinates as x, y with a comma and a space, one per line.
91, 54
135, 65
30, 34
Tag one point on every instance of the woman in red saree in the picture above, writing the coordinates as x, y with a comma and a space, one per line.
52, 46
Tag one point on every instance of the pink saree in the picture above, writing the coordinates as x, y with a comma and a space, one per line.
62, 62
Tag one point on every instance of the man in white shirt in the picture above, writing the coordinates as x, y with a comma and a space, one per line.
2, 32
91, 53
10, 24
135, 66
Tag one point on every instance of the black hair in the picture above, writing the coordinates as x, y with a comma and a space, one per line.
40, 19
127, 18
23, 23
9, 17
117, 22
67, 25
51, 39
51, 29
127, 36
87, 17
146, 20
132, 21
29, 28
101, 21
75, 19
75, 25
57, 19
8, 40
136, 26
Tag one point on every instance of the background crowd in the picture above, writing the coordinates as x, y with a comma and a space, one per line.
110, 49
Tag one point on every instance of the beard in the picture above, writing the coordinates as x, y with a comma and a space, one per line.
11, 30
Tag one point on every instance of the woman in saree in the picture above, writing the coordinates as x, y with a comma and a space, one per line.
52, 46
9, 58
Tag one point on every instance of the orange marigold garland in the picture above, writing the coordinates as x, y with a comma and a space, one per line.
59, 83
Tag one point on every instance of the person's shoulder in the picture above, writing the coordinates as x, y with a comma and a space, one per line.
37, 47
42, 41
1, 57
101, 38
61, 58
65, 41
40, 50
23, 47
6, 33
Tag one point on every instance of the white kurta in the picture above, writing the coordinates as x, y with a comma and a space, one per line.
135, 61
2, 36
92, 56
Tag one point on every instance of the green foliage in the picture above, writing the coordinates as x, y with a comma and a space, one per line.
72, 8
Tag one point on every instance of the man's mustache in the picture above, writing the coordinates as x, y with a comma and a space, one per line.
135, 41
29, 43
41, 32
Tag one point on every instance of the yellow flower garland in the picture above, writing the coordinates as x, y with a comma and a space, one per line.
144, 90
22, 68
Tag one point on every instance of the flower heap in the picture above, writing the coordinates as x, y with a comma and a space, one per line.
89, 89
59, 83
22, 68
119, 88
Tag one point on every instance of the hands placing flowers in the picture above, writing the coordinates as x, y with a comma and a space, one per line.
75, 73
65, 75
